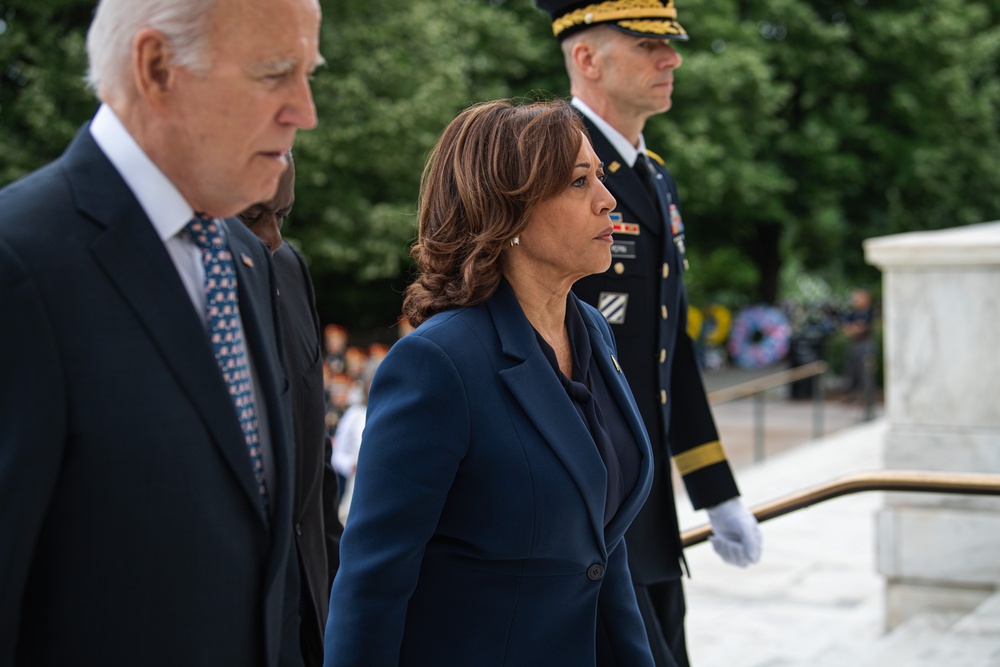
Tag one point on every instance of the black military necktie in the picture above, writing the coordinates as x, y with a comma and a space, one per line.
647, 175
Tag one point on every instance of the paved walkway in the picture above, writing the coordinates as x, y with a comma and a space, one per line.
786, 423
815, 591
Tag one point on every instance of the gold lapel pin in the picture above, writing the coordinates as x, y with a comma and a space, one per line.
614, 166
615, 362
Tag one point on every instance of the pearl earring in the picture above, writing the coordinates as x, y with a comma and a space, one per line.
515, 241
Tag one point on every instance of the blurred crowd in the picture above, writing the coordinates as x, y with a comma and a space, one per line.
347, 375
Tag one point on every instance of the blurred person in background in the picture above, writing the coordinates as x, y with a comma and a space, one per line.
859, 366
317, 530
347, 439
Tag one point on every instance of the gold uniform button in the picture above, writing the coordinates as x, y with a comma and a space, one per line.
619, 268
663, 356
663, 396
666, 270
663, 312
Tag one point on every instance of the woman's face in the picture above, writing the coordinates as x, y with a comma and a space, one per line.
569, 236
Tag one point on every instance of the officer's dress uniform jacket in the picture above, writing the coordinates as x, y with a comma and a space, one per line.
642, 296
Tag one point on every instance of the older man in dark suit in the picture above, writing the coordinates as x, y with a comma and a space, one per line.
145, 464
317, 529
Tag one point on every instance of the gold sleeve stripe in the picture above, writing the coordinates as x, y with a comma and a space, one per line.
614, 10
700, 457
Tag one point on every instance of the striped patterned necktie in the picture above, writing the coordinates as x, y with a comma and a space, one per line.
222, 311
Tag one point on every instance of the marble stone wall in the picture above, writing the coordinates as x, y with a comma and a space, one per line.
941, 310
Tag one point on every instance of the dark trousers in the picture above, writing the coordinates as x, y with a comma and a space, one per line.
662, 608
310, 642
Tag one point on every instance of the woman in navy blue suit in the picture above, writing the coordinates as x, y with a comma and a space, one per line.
504, 456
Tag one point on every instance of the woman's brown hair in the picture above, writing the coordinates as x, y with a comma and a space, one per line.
492, 165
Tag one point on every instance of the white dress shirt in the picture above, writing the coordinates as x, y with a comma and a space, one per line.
169, 213
624, 147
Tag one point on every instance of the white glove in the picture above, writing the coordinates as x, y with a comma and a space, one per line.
735, 533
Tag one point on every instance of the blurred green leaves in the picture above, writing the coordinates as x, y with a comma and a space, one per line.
799, 127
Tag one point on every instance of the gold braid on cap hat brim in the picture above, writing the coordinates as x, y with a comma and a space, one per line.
615, 10
653, 27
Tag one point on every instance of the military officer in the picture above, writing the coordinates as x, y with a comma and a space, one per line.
620, 59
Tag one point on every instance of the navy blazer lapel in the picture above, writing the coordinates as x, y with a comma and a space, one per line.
544, 400
616, 382
136, 261
258, 311
624, 183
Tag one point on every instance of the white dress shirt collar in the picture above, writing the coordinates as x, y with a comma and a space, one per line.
163, 203
624, 147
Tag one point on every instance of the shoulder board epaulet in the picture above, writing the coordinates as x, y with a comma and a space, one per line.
656, 157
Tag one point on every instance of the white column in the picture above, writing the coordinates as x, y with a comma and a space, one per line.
941, 310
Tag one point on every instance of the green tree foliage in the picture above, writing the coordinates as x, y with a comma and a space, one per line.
397, 73
799, 127
43, 98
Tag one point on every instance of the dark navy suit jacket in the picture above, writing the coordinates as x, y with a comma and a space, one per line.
132, 530
477, 533
317, 528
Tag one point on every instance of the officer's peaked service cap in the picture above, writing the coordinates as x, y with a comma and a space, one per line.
642, 18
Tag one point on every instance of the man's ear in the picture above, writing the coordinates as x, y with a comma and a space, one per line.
587, 59
152, 70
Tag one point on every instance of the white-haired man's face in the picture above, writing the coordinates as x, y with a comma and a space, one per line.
230, 128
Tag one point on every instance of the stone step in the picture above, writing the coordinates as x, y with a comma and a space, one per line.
929, 640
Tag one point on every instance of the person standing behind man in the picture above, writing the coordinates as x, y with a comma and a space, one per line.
145, 462
621, 62
317, 529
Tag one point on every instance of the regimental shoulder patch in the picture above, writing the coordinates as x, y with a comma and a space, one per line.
613, 306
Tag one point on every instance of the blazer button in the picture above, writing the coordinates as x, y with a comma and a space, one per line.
298, 529
595, 572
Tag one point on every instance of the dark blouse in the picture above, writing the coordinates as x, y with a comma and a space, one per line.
599, 411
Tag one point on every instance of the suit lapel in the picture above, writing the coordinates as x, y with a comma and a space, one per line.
137, 263
544, 400
615, 379
255, 280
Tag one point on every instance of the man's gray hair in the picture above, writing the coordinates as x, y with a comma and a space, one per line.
184, 23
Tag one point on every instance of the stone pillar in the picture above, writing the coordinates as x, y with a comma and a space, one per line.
941, 310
